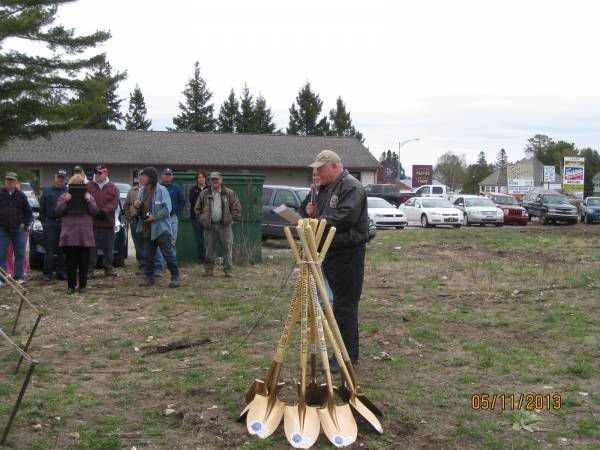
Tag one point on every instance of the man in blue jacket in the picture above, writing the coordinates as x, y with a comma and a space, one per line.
52, 225
177, 203
154, 209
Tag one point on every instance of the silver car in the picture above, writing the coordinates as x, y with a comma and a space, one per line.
479, 210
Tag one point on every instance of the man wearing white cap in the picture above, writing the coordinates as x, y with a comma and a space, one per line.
344, 206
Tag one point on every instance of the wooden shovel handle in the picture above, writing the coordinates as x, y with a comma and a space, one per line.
327, 244
292, 318
320, 231
292, 244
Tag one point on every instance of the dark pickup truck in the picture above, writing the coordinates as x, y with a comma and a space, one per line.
392, 194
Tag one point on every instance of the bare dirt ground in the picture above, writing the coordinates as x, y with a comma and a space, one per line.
445, 315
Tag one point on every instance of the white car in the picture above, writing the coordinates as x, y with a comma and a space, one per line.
384, 214
479, 210
431, 212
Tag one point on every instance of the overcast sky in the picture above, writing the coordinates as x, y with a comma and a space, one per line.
460, 75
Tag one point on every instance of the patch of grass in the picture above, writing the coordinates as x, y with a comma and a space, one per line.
589, 428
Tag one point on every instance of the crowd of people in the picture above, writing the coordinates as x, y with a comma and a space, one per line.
78, 218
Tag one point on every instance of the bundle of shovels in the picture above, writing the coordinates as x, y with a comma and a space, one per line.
317, 405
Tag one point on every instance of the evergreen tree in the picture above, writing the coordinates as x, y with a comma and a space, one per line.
481, 160
101, 91
341, 123
539, 141
263, 119
136, 116
36, 91
196, 114
245, 122
502, 160
304, 119
230, 110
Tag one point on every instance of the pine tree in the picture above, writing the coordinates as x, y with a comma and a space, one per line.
245, 122
36, 91
481, 160
196, 114
263, 119
102, 92
502, 160
230, 109
136, 117
304, 119
341, 123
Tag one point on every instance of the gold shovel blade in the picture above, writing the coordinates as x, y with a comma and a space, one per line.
302, 428
264, 415
338, 425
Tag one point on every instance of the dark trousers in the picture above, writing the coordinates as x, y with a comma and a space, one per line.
105, 241
138, 242
165, 244
345, 270
77, 260
52, 236
199, 234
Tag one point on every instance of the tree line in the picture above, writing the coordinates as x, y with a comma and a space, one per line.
453, 170
40, 95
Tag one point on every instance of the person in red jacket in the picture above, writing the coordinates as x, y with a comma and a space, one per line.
106, 195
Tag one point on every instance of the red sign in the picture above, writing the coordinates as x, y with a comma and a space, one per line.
421, 175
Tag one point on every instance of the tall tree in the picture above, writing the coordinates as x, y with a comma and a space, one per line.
481, 159
245, 122
263, 119
196, 114
230, 109
341, 123
553, 153
536, 143
475, 173
592, 167
501, 160
101, 91
450, 170
304, 119
35, 91
136, 116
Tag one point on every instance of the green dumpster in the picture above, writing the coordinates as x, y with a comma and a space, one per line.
247, 231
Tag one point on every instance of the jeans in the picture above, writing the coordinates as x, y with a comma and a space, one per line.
345, 270
165, 243
105, 240
174, 228
17, 237
77, 258
199, 235
52, 236
223, 235
138, 242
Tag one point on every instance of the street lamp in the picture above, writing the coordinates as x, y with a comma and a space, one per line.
400, 144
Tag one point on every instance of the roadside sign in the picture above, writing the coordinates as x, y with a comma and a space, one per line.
549, 174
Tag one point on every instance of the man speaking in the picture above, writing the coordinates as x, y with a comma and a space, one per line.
344, 207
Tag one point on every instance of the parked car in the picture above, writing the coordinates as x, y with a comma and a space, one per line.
431, 212
479, 210
26, 188
513, 212
37, 248
590, 210
274, 196
550, 206
290, 196
384, 215
123, 190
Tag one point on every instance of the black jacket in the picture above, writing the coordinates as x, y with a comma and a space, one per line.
343, 204
14, 210
48, 201
193, 195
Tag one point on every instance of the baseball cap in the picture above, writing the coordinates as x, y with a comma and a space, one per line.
215, 175
11, 176
61, 173
77, 169
101, 168
325, 157
167, 171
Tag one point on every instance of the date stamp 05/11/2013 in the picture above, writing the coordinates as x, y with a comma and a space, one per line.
512, 402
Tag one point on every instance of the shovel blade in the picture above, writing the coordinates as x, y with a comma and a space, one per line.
338, 425
302, 428
366, 414
345, 395
264, 415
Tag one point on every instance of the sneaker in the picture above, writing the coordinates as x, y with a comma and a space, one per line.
146, 283
47, 278
20, 282
175, 283
70, 291
229, 274
82, 290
